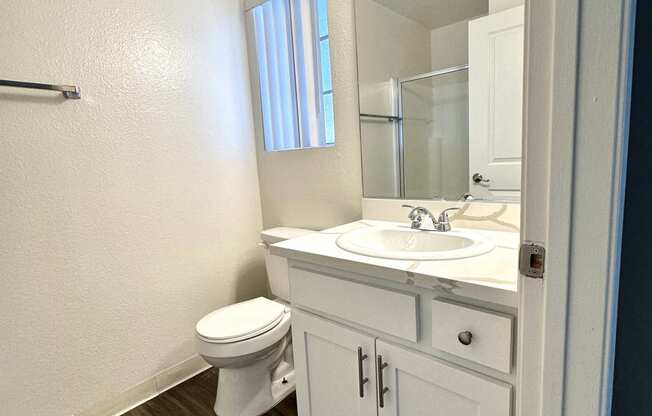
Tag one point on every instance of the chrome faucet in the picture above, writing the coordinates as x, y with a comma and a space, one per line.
416, 215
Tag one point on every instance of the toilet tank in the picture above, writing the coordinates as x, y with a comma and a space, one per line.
277, 267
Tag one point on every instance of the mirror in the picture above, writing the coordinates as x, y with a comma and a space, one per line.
440, 91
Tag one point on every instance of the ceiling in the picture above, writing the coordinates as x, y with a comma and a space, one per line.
437, 13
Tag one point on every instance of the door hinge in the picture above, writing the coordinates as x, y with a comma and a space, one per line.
532, 260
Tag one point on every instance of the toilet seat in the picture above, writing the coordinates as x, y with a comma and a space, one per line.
264, 322
240, 321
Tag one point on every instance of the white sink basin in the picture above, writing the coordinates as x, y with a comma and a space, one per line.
404, 243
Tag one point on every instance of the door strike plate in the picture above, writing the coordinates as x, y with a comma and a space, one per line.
532, 260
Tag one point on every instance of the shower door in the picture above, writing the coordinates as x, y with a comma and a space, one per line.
435, 135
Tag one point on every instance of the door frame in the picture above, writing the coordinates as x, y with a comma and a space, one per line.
578, 67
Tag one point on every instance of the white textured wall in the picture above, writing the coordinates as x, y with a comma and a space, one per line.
389, 46
318, 188
127, 215
449, 45
496, 6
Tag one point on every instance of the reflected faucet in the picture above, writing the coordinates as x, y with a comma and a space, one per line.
466, 197
416, 215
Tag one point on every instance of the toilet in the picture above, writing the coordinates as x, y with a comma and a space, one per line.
251, 343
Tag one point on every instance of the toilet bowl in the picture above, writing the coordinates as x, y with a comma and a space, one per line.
250, 342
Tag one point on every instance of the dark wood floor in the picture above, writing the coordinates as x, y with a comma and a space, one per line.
196, 397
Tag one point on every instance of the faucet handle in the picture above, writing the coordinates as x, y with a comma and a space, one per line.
412, 213
444, 224
443, 216
414, 216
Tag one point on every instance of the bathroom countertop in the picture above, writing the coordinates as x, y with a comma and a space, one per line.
491, 277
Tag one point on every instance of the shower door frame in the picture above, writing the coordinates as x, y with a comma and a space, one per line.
399, 130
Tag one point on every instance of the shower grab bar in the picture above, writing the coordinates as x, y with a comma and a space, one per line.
388, 118
68, 91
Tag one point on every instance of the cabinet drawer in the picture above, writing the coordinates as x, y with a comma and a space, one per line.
389, 311
488, 334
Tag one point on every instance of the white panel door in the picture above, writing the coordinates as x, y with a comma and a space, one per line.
496, 103
327, 371
418, 385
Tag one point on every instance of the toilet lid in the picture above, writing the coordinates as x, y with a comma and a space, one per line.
240, 321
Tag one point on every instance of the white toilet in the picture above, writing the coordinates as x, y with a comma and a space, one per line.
250, 342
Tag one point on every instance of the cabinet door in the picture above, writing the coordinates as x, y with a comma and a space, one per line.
418, 385
496, 102
329, 368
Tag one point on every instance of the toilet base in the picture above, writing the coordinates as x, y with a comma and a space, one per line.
253, 390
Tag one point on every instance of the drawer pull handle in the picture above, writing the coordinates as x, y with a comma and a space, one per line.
361, 378
381, 385
465, 337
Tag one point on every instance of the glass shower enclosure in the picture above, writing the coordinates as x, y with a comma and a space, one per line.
434, 134
418, 148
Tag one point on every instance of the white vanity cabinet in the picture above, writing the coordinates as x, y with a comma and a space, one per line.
348, 363
334, 367
342, 372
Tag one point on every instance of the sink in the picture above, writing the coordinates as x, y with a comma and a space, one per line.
404, 243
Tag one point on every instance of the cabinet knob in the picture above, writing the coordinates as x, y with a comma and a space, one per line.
465, 337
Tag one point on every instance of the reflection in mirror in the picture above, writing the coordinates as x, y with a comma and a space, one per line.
440, 87
435, 132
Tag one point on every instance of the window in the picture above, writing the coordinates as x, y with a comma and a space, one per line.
292, 63
326, 84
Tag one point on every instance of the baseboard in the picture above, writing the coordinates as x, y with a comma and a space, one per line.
148, 389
